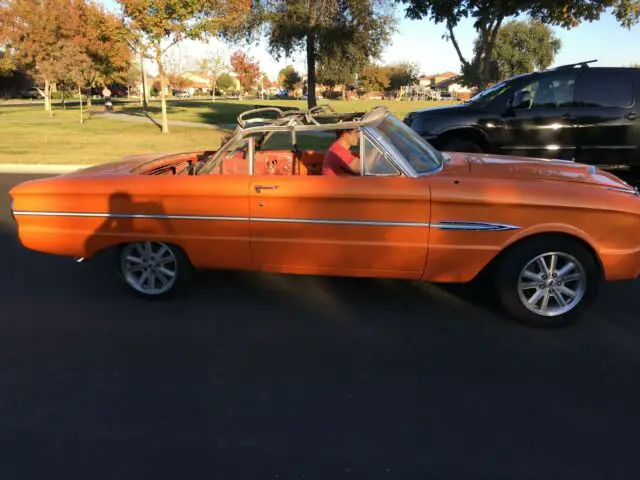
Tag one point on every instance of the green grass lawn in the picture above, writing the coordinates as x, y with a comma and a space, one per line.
226, 111
28, 135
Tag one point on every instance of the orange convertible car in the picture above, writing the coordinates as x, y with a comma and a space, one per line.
546, 232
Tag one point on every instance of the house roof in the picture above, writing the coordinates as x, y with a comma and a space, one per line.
446, 75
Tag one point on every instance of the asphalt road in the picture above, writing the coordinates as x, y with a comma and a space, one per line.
256, 376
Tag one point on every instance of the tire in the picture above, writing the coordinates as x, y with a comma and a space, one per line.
520, 279
460, 145
153, 262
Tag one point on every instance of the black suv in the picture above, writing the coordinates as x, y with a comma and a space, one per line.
575, 112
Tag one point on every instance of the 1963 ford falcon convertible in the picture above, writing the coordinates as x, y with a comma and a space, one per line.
547, 233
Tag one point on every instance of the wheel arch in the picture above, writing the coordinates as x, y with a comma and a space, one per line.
490, 267
471, 134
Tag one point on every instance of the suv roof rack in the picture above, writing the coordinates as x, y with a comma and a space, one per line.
573, 65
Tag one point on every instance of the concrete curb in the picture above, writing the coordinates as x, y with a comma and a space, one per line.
39, 168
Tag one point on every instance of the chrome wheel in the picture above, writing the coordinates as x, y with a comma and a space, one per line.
552, 284
149, 267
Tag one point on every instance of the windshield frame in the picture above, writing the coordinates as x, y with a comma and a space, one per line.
403, 163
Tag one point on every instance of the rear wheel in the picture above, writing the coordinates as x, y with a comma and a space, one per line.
548, 282
154, 269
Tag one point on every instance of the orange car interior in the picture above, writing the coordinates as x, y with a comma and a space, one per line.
275, 162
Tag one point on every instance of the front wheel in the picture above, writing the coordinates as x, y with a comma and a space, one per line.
549, 282
154, 269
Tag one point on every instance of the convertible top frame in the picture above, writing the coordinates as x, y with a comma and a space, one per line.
320, 118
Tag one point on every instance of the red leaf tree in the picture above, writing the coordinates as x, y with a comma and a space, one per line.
247, 70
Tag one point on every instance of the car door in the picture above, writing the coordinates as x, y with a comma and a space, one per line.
540, 120
373, 224
608, 118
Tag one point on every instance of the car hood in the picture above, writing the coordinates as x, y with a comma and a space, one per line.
509, 167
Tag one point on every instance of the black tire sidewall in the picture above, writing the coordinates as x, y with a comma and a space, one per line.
184, 273
512, 263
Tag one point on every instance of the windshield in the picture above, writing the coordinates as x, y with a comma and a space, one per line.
490, 93
415, 149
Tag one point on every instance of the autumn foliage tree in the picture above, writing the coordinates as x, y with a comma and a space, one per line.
163, 23
374, 78
71, 41
247, 70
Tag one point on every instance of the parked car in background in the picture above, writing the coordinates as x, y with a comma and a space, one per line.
574, 112
544, 233
31, 93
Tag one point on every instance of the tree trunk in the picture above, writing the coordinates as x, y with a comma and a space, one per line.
47, 96
213, 92
64, 100
311, 69
143, 98
344, 92
128, 92
88, 99
81, 113
163, 97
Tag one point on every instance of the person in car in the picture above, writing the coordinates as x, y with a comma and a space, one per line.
338, 160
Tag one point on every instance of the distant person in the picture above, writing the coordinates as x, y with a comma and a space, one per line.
338, 160
106, 93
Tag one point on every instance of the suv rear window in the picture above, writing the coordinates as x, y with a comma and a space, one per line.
604, 90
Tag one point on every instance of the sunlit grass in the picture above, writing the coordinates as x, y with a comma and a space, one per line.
227, 111
28, 135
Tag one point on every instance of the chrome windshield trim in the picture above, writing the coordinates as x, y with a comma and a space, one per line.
398, 160
443, 225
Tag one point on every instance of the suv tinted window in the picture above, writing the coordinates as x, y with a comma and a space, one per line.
604, 90
548, 91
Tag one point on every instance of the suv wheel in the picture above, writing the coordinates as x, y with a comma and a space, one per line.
460, 145
547, 283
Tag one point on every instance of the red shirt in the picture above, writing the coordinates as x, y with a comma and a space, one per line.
336, 160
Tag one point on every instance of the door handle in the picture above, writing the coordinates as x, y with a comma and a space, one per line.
259, 188
631, 116
568, 117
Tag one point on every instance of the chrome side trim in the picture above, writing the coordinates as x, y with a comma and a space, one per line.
131, 215
444, 225
473, 226
341, 222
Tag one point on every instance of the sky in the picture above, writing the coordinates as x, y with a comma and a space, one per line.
421, 41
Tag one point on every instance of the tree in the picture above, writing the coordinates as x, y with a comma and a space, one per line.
49, 36
226, 82
374, 78
489, 16
291, 79
355, 28
178, 82
80, 70
133, 78
402, 74
213, 65
336, 70
523, 47
247, 70
171, 21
